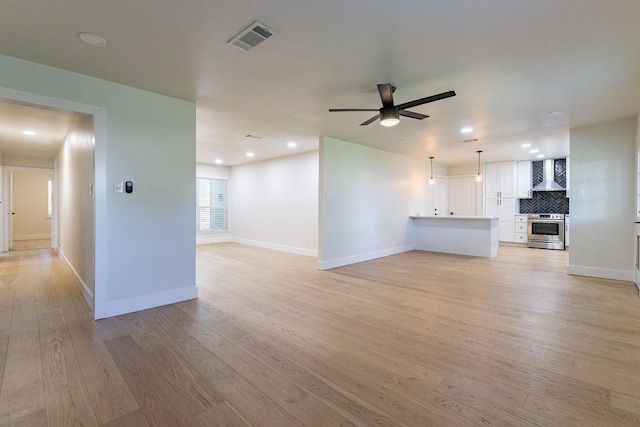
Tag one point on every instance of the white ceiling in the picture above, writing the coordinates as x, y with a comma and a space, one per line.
511, 63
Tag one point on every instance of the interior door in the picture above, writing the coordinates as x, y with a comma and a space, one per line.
440, 196
463, 196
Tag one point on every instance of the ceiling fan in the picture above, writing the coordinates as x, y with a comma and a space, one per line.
389, 114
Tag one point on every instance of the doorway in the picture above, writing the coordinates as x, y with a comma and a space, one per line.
70, 166
31, 218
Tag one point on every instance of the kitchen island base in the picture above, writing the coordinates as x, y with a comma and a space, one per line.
468, 235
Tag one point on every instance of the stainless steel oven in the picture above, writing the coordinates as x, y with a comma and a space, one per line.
546, 231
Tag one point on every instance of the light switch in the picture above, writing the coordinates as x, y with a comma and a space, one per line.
118, 186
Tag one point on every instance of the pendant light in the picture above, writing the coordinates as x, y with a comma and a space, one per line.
431, 180
479, 175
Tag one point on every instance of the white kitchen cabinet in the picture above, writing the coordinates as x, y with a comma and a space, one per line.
520, 230
500, 192
500, 180
504, 209
525, 180
566, 231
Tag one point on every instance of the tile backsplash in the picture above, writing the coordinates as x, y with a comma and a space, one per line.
547, 201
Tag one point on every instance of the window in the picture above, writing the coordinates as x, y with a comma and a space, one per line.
212, 204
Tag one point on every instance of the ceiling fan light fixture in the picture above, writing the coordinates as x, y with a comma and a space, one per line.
389, 117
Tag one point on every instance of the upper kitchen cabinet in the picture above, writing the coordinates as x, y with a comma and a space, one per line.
525, 180
500, 180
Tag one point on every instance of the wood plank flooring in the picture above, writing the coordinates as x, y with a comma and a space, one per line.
21, 245
416, 339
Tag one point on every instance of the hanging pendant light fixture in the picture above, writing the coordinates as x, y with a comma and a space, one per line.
431, 180
479, 175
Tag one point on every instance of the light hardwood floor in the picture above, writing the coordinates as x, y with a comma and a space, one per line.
417, 339
21, 245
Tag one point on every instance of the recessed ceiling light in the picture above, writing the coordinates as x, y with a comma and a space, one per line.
540, 156
466, 129
535, 150
92, 39
29, 132
250, 154
526, 145
292, 145
218, 161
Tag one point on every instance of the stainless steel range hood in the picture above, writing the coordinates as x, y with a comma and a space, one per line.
548, 184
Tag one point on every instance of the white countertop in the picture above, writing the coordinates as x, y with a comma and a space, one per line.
453, 217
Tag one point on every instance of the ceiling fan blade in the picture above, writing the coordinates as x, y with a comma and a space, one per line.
386, 94
431, 98
412, 114
371, 120
333, 110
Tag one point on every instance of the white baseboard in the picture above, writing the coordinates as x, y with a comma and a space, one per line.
205, 238
326, 265
87, 293
277, 247
129, 305
601, 273
31, 236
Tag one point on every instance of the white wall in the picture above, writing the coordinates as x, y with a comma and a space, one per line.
367, 196
204, 170
465, 169
28, 161
274, 204
144, 241
602, 199
75, 202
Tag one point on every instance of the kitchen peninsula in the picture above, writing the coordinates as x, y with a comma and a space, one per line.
462, 235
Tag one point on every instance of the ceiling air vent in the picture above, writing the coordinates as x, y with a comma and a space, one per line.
252, 36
